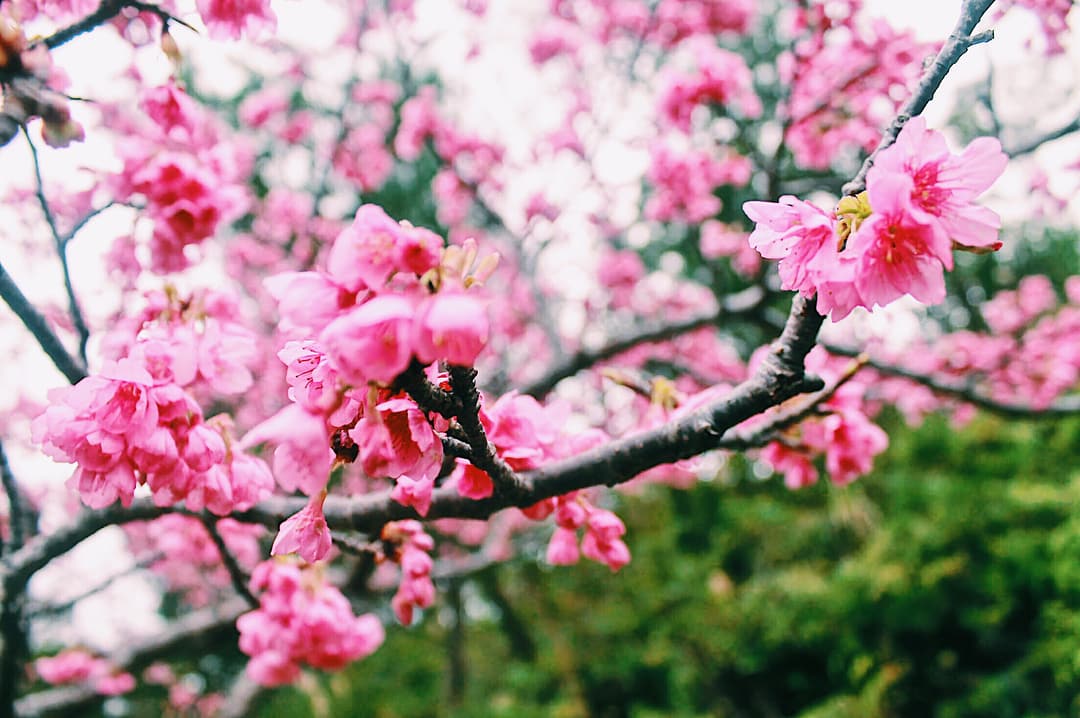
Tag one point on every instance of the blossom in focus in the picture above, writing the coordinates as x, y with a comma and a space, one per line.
897, 237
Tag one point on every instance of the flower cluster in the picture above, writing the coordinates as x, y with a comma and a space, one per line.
412, 551
602, 541
722, 79
77, 666
684, 182
849, 78
894, 239
207, 345
843, 434
390, 296
133, 424
184, 167
301, 619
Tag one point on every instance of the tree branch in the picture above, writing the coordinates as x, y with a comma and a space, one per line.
15, 507
200, 629
484, 457
60, 243
768, 431
236, 574
105, 12
744, 302
1067, 406
971, 11
1030, 146
69, 366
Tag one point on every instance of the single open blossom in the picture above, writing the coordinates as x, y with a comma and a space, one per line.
302, 457
305, 533
794, 232
899, 254
944, 186
373, 342
452, 326
372, 248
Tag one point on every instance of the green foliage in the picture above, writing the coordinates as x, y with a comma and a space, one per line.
945, 584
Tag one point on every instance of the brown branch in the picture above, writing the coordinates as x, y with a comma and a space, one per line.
16, 516
744, 302
197, 630
484, 457
1034, 144
236, 574
73, 370
1067, 406
105, 12
769, 431
971, 11
60, 244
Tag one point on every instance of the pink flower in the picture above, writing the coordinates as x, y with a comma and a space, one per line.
898, 254
562, 549
472, 483
366, 253
312, 381
362, 157
796, 466
71, 666
305, 533
373, 342
303, 456
229, 19
603, 542
852, 441
306, 300
794, 232
451, 326
397, 441
115, 684
412, 492
416, 589
301, 620
944, 186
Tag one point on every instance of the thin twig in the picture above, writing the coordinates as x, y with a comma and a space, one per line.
971, 11
60, 243
742, 303
463, 381
236, 574
1067, 406
105, 12
768, 431
15, 507
69, 366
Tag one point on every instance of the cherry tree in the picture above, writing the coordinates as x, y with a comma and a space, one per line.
355, 333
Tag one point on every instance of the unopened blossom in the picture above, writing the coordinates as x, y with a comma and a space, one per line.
305, 533
416, 589
603, 539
